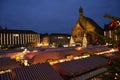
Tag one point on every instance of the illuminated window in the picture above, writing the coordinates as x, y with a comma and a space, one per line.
68, 37
60, 37
16, 35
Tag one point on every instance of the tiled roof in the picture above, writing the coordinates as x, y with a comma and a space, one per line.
7, 63
77, 67
55, 54
42, 57
6, 76
36, 72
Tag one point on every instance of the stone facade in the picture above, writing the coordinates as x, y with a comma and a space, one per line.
85, 25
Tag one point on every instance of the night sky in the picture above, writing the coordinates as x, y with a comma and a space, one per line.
54, 16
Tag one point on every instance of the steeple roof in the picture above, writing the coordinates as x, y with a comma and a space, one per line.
80, 10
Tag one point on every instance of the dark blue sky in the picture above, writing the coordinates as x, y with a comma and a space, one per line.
53, 16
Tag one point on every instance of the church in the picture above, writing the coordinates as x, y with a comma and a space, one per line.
88, 27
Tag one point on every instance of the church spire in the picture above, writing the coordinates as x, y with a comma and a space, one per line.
81, 11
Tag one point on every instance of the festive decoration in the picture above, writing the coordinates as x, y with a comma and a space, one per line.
113, 24
96, 39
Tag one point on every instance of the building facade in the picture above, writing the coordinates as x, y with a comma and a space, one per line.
60, 40
85, 25
18, 38
112, 34
44, 40
55, 40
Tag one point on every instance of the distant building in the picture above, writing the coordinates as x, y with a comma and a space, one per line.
55, 40
44, 39
18, 38
59, 40
111, 33
85, 25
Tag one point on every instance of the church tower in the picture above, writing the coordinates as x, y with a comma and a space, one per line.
85, 25
78, 30
81, 12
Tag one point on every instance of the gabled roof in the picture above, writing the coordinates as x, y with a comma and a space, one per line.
87, 23
98, 28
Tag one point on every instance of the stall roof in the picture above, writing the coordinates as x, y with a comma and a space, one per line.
7, 63
6, 76
36, 72
78, 67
